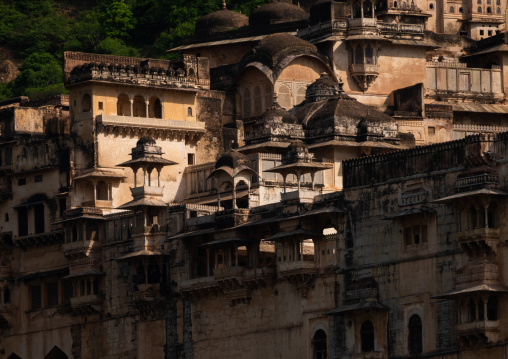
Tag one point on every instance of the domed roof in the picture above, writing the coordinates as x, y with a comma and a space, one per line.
321, 89
273, 44
276, 13
232, 159
219, 21
276, 114
146, 141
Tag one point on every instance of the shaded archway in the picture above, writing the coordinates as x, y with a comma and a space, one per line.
86, 103
123, 105
139, 106
155, 107
319, 345
56, 353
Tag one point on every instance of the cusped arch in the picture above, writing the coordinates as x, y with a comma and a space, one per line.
56, 353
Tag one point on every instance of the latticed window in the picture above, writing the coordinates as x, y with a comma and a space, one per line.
52, 294
35, 296
367, 336
415, 235
415, 335
319, 345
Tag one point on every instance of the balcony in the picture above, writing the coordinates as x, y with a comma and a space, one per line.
146, 230
477, 273
364, 74
147, 191
199, 286
302, 196
362, 22
369, 355
226, 273
92, 300
98, 204
479, 181
159, 126
479, 239
477, 333
361, 294
80, 247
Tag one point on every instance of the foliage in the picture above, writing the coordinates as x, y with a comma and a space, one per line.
120, 27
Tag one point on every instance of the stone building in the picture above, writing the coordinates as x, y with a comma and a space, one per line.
317, 180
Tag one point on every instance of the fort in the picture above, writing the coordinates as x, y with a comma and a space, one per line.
318, 180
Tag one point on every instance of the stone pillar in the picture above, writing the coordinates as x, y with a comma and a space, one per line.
147, 114
132, 107
159, 177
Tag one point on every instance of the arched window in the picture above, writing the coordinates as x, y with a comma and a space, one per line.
86, 103
257, 101
479, 10
246, 103
403, 4
367, 9
123, 105
359, 55
461, 10
285, 97
498, 2
300, 95
319, 345
489, 10
498, 11
139, 106
189, 111
155, 108
431, 6
452, 10
492, 308
102, 191
268, 96
415, 334
367, 336
395, 4
357, 10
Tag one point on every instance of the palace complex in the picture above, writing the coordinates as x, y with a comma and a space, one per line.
324, 179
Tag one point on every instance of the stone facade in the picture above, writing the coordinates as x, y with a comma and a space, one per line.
323, 181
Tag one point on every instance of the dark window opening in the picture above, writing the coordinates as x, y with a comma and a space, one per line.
319, 345
39, 218
22, 221
101, 105
492, 308
67, 291
38, 178
35, 296
62, 206
190, 159
7, 295
7, 217
472, 310
21, 181
431, 6
86, 103
52, 294
481, 310
367, 336
415, 335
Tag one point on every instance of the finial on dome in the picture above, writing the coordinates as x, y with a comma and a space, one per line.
341, 85
224, 5
275, 103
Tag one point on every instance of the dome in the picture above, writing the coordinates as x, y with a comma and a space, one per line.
232, 159
146, 141
276, 13
219, 21
321, 89
273, 44
276, 114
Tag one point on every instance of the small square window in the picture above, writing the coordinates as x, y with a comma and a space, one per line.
481, 32
21, 181
190, 159
101, 106
38, 178
432, 130
489, 32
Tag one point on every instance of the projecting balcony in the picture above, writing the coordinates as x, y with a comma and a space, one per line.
362, 22
93, 300
158, 126
364, 74
479, 181
480, 332
369, 355
363, 294
303, 196
477, 273
300, 273
199, 286
98, 204
484, 239
228, 272
80, 247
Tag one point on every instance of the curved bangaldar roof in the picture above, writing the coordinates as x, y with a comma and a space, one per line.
219, 21
277, 13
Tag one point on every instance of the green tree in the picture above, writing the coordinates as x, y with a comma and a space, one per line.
118, 20
40, 75
113, 46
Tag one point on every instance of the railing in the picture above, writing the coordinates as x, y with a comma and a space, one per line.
301, 195
97, 203
228, 272
401, 27
91, 299
258, 273
323, 27
362, 21
195, 221
150, 122
482, 233
197, 283
83, 210
146, 191
296, 266
484, 276
480, 326
477, 180
364, 68
361, 293
478, 128
80, 246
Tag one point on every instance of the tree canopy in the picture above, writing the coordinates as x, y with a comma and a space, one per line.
39, 31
